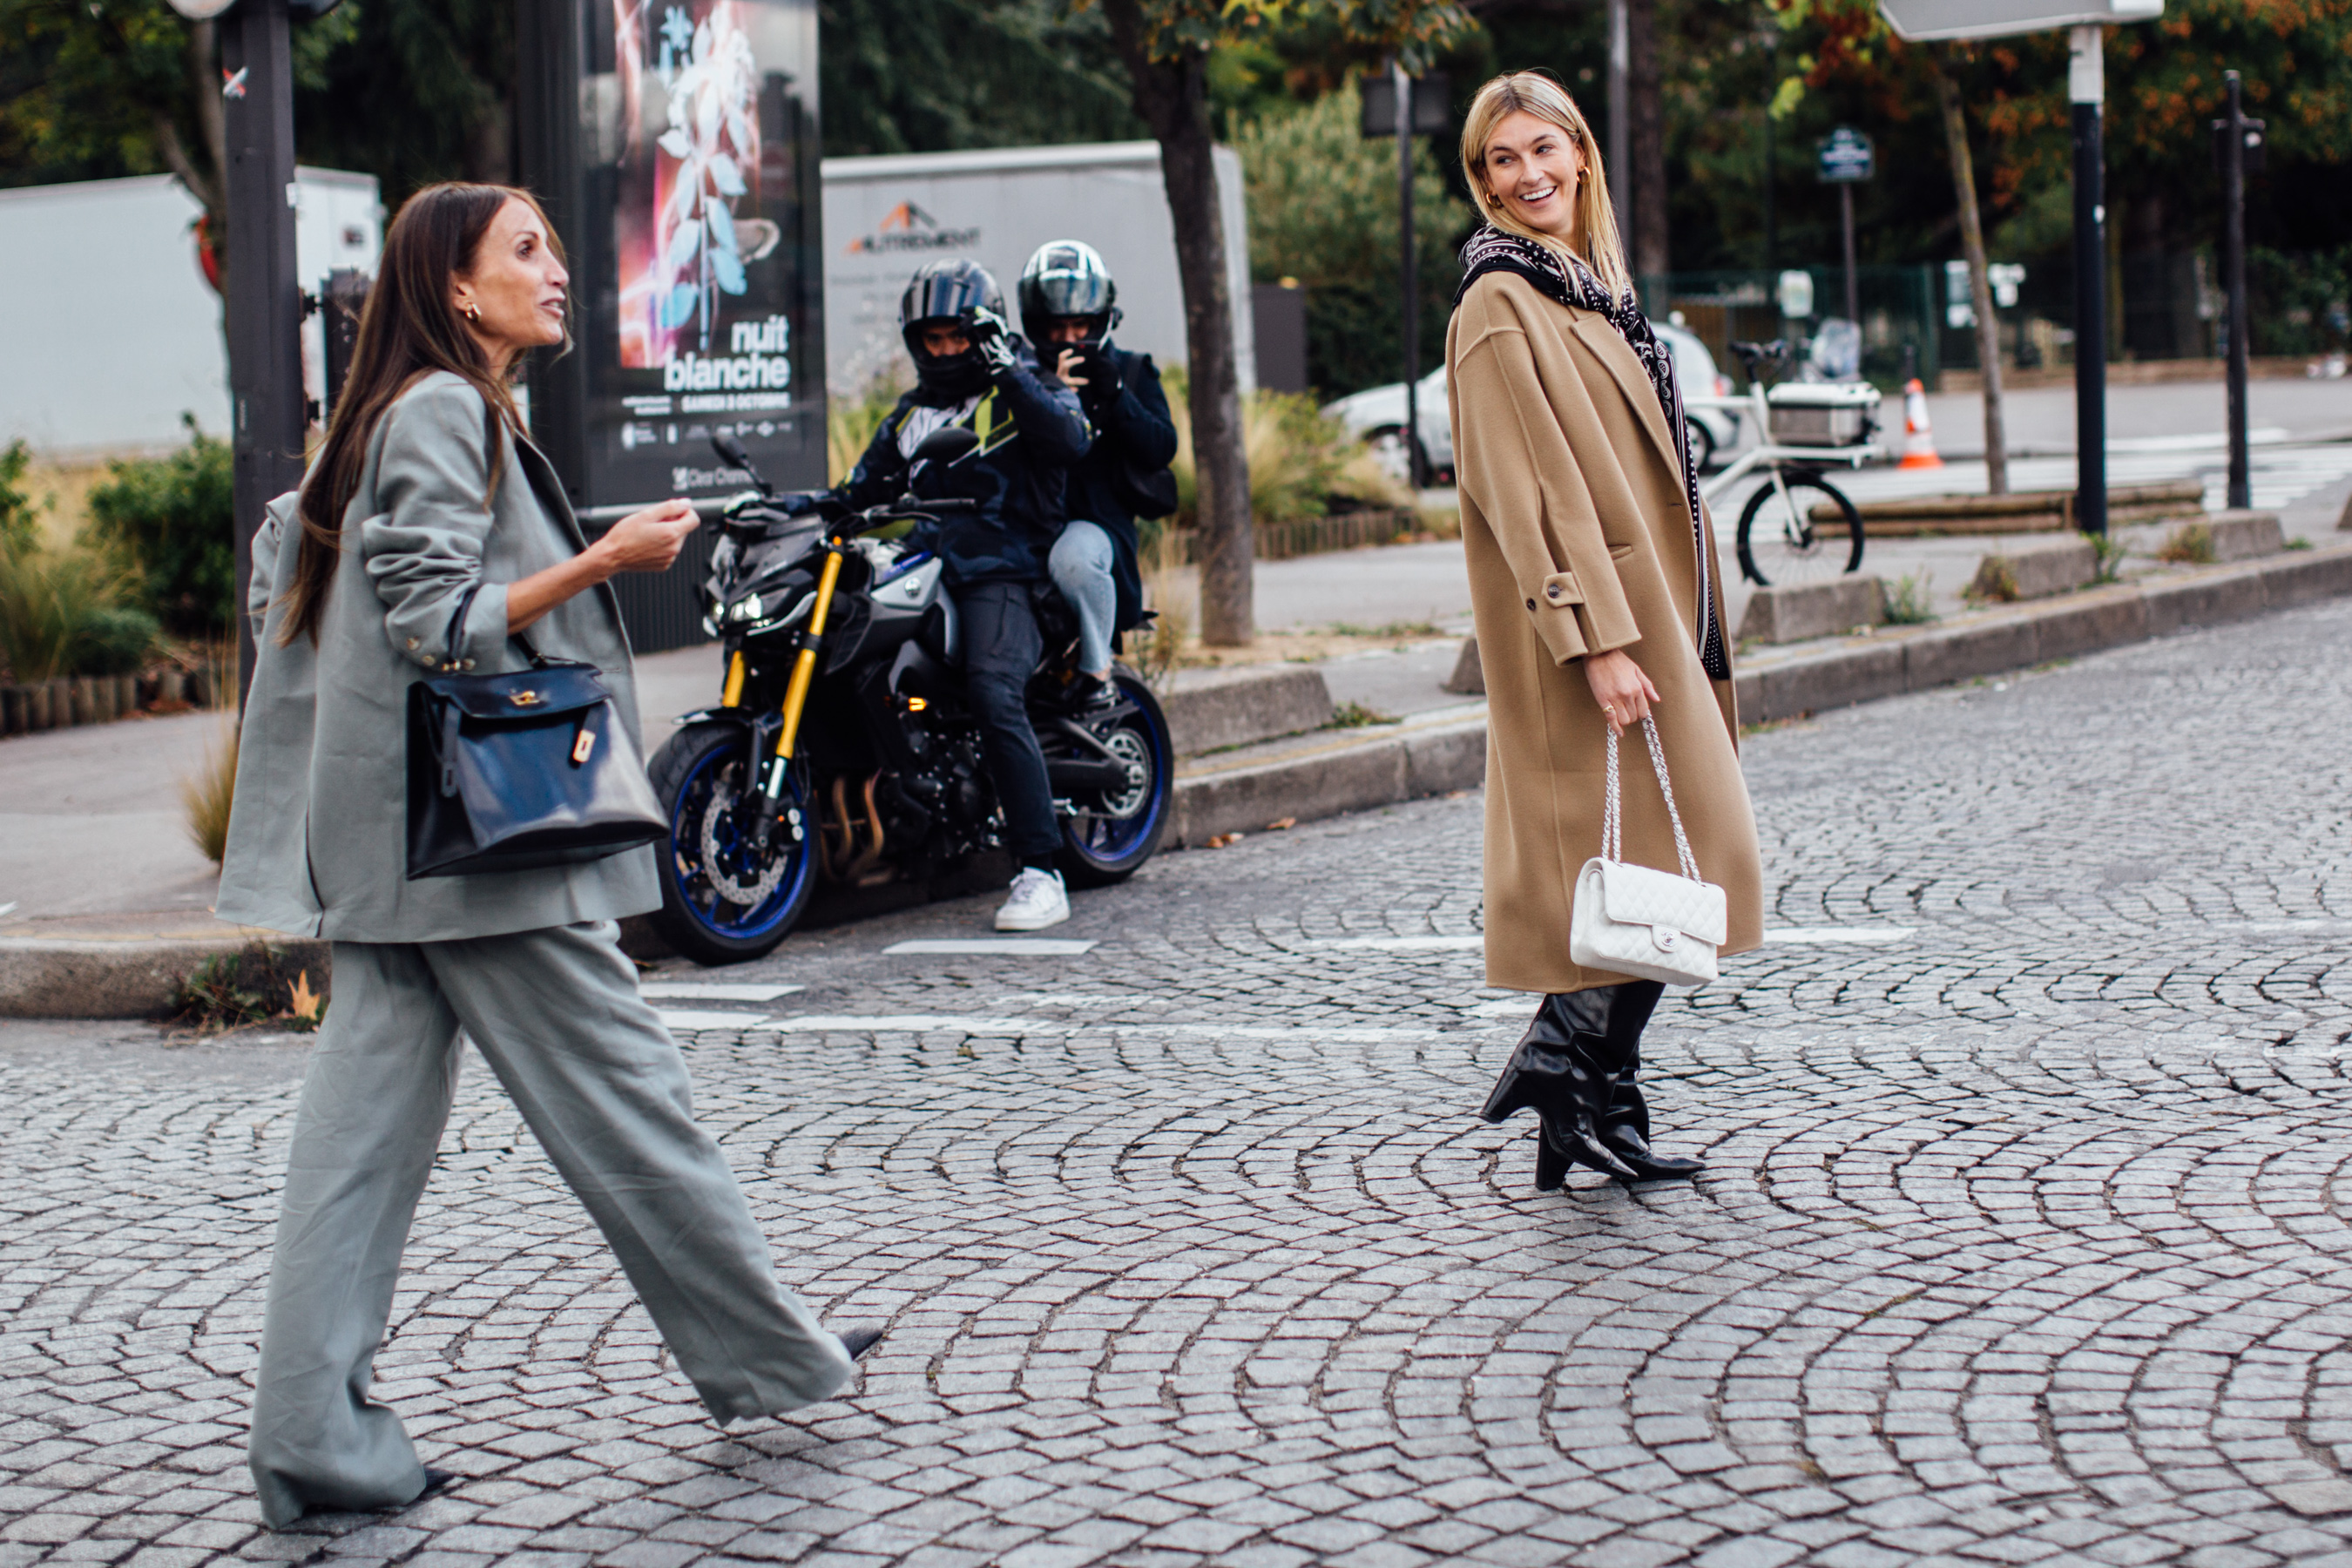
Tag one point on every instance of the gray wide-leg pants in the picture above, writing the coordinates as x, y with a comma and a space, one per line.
556, 1015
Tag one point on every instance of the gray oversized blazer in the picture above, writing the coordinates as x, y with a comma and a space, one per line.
318, 836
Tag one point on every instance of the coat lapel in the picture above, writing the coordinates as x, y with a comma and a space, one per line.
1606, 342
549, 489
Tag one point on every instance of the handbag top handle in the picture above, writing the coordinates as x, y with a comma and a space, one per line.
1612, 811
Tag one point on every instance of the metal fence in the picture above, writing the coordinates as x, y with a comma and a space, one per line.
2166, 307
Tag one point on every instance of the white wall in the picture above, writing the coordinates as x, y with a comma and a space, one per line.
108, 329
997, 206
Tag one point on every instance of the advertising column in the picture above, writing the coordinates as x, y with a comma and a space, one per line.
685, 185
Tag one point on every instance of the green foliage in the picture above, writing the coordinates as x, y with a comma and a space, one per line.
920, 76
411, 92
1911, 600
59, 615
253, 985
1323, 210
1299, 461
171, 518
99, 90
19, 524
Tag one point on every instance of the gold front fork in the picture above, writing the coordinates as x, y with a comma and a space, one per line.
732, 695
812, 643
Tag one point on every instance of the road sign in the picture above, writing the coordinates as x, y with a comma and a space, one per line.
1846, 156
1796, 293
1432, 104
1924, 21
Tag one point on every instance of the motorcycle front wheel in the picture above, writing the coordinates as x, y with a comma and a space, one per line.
1112, 836
722, 900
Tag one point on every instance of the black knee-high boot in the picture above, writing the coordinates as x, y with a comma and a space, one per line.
1560, 1068
1624, 1128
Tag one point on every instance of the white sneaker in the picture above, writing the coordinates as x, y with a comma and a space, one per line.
1037, 901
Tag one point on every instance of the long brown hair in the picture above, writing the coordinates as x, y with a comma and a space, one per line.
1536, 93
409, 327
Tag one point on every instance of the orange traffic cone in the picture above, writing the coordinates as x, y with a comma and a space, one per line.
1919, 441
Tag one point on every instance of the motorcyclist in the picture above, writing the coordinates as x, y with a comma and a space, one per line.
1069, 309
972, 370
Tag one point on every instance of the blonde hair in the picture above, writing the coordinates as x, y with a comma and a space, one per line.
1536, 93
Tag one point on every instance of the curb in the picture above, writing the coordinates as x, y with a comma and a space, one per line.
1446, 753
121, 977
1862, 669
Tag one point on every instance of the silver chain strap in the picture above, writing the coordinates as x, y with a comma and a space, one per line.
1612, 812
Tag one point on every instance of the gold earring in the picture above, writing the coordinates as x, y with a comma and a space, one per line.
473, 314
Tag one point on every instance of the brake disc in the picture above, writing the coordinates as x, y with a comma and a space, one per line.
716, 858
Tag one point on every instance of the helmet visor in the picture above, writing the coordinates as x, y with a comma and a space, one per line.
941, 295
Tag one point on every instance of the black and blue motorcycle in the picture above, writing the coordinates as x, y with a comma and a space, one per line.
841, 751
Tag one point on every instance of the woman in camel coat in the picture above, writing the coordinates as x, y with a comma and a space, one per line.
1598, 595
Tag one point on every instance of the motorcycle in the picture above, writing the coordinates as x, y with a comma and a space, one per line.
842, 749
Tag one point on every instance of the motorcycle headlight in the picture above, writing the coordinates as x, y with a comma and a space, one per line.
746, 608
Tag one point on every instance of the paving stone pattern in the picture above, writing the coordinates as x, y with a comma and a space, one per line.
2024, 1238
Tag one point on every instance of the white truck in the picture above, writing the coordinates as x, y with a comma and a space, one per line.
885, 216
107, 324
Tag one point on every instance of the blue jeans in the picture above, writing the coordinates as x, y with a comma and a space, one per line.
1081, 568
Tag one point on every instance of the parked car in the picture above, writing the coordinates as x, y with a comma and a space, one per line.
1377, 413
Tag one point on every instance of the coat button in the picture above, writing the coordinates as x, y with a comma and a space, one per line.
1531, 604
413, 644
1552, 592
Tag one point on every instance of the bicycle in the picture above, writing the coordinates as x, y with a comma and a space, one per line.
1784, 536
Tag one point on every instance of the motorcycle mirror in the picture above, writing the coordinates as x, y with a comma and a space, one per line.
946, 444
732, 452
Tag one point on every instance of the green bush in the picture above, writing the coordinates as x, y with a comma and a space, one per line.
19, 529
1323, 210
59, 615
172, 520
1299, 461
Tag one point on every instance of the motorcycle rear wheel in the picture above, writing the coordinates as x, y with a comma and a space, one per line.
737, 907
1101, 850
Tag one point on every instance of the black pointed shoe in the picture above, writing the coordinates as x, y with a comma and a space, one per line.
1559, 1070
1625, 1126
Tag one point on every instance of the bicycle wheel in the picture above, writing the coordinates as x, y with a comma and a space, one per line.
1802, 530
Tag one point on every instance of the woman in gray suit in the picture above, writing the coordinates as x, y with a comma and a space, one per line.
428, 531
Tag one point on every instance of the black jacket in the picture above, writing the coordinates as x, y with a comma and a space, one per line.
1030, 431
1132, 430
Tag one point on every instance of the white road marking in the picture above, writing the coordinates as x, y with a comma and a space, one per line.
1825, 936
1002, 946
693, 1020
716, 991
942, 1022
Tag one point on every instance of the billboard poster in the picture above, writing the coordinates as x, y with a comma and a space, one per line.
703, 189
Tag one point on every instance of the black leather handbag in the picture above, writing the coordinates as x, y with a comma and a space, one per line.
506, 773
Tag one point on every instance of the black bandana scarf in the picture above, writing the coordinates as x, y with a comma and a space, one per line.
1573, 283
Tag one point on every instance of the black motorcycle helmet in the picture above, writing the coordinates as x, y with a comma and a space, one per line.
1067, 277
944, 291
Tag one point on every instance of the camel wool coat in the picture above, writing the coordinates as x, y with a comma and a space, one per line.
1579, 538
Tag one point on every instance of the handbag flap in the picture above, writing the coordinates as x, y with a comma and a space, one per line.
1637, 895
523, 694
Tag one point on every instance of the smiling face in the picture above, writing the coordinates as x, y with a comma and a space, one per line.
1532, 168
513, 295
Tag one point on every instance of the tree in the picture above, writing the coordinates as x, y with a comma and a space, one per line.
1964, 184
1165, 44
925, 76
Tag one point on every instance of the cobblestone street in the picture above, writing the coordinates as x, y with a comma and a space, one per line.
2024, 1237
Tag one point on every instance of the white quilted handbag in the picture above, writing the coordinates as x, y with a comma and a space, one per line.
1631, 919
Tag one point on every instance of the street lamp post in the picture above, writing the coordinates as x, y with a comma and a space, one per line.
264, 295
2086, 89
2238, 145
